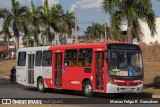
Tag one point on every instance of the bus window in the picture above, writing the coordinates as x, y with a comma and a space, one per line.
38, 58
70, 58
22, 59
85, 58
47, 58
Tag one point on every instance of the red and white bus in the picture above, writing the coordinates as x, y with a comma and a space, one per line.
109, 67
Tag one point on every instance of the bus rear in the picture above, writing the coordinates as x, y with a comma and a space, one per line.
125, 68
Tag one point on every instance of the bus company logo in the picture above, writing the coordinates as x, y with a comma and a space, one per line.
6, 101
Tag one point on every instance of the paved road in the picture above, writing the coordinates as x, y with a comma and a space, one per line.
8, 90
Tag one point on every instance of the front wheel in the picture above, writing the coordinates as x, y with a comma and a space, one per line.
87, 89
40, 85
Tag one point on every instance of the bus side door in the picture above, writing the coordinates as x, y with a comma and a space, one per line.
57, 74
99, 71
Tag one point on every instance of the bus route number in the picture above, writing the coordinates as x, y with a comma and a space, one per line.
122, 73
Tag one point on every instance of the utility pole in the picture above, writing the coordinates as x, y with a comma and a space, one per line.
105, 32
76, 34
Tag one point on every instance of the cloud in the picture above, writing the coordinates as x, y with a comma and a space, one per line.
87, 4
73, 6
51, 2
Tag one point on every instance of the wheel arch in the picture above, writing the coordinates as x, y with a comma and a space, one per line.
38, 79
84, 80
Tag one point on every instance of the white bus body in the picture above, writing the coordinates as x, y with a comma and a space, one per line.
27, 73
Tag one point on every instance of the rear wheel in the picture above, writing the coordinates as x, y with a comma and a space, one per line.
87, 89
40, 85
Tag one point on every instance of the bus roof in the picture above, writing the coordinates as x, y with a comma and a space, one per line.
71, 46
86, 45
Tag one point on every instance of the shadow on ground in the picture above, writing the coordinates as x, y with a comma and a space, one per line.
97, 95
6, 84
155, 84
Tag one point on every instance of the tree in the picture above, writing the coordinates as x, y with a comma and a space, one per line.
51, 18
5, 31
34, 19
96, 30
132, 12
14, 18
67, 24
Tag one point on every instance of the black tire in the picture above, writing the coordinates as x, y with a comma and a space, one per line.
87, 89
40, 85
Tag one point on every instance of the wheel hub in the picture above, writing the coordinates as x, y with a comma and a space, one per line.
88, 89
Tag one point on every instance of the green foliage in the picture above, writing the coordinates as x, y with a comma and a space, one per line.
97, 30
43, 20
13, 19
130, 12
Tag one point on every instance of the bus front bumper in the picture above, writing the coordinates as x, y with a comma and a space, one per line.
111, 88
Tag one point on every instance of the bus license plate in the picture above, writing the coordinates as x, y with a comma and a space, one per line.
128, 89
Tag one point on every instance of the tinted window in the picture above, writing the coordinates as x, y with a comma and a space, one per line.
38, 58
22, 59
70, 58
47, 58
85, 57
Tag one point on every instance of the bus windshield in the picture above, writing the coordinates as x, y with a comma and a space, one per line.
125, 63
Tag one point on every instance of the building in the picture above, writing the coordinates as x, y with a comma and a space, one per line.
147, 38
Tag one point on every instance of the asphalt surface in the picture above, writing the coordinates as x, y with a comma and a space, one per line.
8, 90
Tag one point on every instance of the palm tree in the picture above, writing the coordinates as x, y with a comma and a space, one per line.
96, 30
14, 18
7, 35
132, 12
51, 18
34, 19
67, 24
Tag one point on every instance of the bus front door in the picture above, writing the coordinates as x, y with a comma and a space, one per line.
31, 69
99, 73
58, 70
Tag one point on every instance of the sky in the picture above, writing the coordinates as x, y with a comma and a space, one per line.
88, 11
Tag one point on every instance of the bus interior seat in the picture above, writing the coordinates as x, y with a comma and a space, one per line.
72, 62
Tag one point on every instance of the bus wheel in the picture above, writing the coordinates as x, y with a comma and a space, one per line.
87, 89
40, 84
